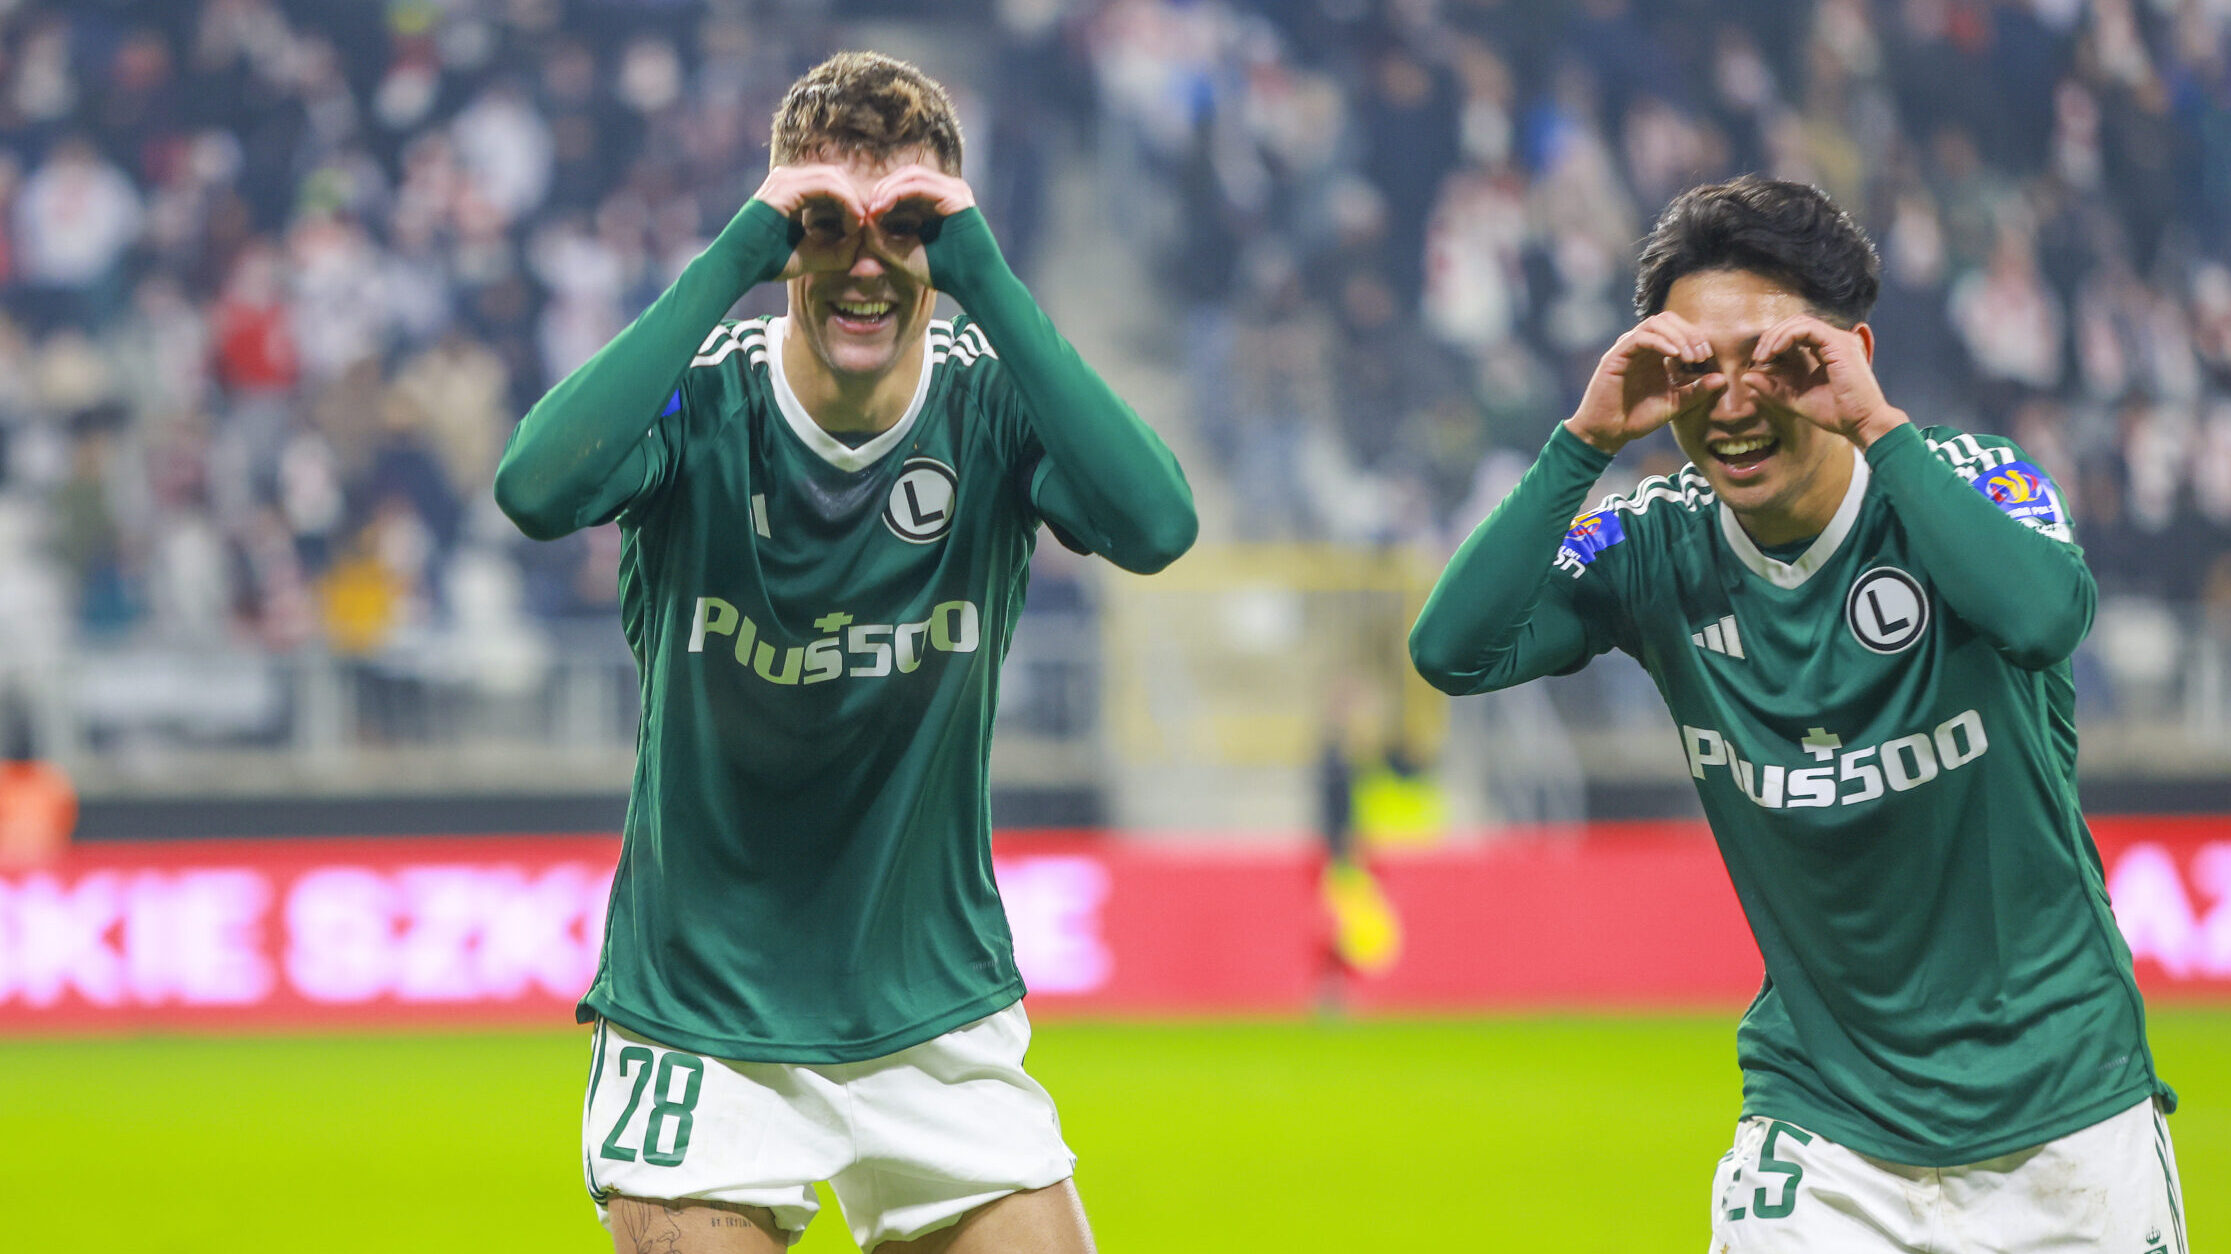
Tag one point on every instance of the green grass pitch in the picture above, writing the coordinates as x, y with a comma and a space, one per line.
1519, 1133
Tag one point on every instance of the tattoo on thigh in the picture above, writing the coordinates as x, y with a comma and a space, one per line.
645, 1226
653, 1228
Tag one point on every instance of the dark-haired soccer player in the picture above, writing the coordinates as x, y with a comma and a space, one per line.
1862, 628
828, 519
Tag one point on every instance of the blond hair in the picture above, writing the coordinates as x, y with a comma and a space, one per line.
869, 105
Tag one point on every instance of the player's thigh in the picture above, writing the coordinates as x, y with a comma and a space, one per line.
692, 1226
1051, 1220
1784, 1190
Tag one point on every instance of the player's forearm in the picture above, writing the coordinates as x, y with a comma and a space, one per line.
558, 472
1491, 622
1121, 492
2029, 594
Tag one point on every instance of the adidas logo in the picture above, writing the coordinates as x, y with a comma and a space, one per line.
1719, 637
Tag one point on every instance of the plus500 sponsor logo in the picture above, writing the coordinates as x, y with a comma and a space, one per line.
1851, 777
861, 650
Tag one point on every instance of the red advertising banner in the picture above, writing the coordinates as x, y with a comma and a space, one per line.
287, 934
1638, 916
2170, 880
241, 934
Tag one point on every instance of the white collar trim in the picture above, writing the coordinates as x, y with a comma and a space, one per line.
1792, 574
828, 447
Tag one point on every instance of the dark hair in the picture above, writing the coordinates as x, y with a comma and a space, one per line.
866, 104
1788, 232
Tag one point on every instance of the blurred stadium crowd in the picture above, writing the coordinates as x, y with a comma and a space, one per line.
279, 275
1415, 236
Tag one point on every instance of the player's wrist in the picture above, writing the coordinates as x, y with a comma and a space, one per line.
962, 253
1878, 424
1607, 443
757, 242
1892, 443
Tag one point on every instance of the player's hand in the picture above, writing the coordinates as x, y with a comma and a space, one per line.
827, 208
1645, 378
905, 207
933, 192
1815, 354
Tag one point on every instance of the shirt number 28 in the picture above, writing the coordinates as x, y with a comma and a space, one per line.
670, 1116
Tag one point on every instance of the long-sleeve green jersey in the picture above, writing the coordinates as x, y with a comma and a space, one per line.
1880, 730
806, 871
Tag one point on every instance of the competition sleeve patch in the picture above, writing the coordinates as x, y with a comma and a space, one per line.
2027, 495
1590, 535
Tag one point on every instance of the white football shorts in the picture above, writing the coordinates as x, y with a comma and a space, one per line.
2111, 1187
908, 1142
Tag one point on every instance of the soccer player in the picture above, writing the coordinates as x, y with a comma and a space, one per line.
827, 520
1862, 629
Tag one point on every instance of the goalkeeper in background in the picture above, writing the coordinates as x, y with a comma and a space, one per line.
827, 521
1862, 629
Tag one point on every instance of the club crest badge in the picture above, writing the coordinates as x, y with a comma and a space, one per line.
1887, 610
920, 509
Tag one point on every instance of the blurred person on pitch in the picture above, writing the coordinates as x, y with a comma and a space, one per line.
38, 804
828, 518
1862, 628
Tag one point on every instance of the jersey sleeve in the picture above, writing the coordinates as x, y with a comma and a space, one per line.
1108, 482
652, 465
715, 388
587, 448
1992, 532
1530, 592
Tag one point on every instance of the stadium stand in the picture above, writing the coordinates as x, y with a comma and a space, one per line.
278, 277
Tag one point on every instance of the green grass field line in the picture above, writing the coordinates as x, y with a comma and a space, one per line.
1478, 1134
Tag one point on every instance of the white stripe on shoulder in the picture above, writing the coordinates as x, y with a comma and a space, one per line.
730, 338
963, 348
1970, 457
1689, 489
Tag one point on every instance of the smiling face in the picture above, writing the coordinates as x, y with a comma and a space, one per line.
1745, 427
862, 322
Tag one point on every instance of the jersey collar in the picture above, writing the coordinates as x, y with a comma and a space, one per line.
1791, 574
828, 447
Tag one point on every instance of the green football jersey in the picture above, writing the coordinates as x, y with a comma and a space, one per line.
1880, 730
1896, 804
806, 874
